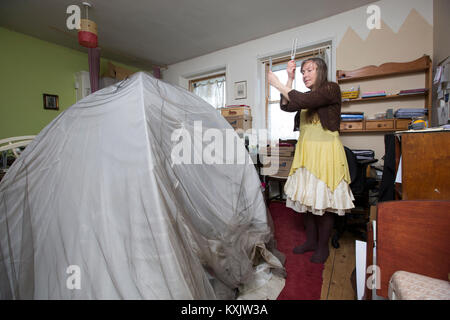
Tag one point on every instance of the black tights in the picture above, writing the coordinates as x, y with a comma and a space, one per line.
318, 232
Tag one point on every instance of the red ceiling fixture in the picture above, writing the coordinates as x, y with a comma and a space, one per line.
87, 35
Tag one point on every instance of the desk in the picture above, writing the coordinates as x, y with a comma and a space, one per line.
425, 165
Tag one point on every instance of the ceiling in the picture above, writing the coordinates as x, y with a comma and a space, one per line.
162, 32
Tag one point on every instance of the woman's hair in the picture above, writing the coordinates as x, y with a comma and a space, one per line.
321, 79
322, 71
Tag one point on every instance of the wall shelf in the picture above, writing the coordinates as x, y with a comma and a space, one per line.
421, 65
388, 97
387, 69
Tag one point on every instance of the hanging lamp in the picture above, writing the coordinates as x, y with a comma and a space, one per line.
87, 35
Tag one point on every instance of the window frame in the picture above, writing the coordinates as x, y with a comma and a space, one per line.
208, 77
217, 75
284, 59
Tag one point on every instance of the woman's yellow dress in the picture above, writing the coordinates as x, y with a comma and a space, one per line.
319, 178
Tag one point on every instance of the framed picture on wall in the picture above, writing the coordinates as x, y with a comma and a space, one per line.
240, 90
51, 101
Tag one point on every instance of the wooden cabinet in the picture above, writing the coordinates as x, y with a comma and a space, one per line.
425, 165
402, 124
421, 65
375, 125
387, 125
352, 126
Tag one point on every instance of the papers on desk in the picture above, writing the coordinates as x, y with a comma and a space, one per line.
434, 129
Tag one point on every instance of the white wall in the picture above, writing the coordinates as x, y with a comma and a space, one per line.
241, 62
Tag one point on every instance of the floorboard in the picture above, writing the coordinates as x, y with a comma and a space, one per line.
337, 284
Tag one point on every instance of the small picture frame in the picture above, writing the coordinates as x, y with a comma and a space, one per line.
240, 90
51, 101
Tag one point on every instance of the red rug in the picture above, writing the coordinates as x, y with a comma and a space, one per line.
304, 278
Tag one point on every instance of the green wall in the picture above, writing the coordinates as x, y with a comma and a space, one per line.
30, 67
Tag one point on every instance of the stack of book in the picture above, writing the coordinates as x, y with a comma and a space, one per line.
350, 94
412, 91
408, 113
373, 94
352, 116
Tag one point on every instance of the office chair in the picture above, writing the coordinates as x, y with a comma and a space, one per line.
387, 185
360, 186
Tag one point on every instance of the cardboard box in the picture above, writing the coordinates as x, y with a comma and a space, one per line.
117, 72
284, 165
232, 111
241, 122
282, 151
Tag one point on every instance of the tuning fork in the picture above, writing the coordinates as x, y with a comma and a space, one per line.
294, 49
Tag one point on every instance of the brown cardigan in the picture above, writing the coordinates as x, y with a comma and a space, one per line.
326, 101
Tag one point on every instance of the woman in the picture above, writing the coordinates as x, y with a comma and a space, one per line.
318, 183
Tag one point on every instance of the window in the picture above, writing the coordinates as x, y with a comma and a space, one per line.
212, 89
280, 124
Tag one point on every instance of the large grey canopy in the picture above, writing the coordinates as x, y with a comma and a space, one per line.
97, 207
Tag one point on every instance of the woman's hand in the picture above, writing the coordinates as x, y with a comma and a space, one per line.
273, 79
275, 82
291, 69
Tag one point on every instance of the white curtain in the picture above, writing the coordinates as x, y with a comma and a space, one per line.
326, 55
212, 91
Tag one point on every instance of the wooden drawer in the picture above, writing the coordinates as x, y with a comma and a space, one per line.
402, 124
379, 124
351, 125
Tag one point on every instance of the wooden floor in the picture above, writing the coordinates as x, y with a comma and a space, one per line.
337, 283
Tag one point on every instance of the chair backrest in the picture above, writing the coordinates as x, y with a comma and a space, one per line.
413, 236
352, 164
15, 142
